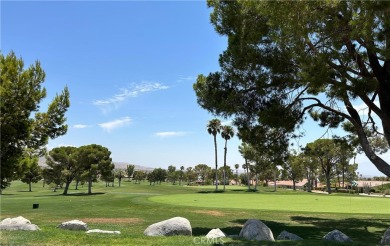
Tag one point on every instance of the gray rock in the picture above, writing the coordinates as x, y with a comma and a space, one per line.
103, 231
170, 227
285, 235
386, 238
215, 233
337, 236
18, 223
256, 230
76, 225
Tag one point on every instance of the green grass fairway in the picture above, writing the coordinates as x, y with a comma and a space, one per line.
299, 202
131, 208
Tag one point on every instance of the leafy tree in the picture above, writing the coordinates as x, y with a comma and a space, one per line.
65, 159
29, 170
227, 132
119, 174
22, 125
293, 168
95, 159
289, 59
213, 128
190, 175
245, 149
329, 153
139, 175
161, 174
203, 172
130, 171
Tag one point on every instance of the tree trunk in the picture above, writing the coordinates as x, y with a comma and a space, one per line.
224, 166
274, 180
293, 184
29, 186
379, 163
216, 163
119, 182
327, 176
247, 173
89, 185
66, 188
257, 180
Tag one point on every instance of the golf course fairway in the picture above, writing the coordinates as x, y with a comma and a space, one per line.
304, 202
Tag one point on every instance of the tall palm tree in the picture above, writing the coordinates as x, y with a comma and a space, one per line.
181, 174
245, 149
213, 128
227, 132
237, 166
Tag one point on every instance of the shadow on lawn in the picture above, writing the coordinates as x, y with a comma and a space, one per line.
367, 230
74, 194
362, 231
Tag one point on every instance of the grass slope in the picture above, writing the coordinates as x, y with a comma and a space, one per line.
132, 207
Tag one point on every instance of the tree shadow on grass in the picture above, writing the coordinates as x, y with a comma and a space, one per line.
85, 194
74, 194
362, 230
311, 229
210, 191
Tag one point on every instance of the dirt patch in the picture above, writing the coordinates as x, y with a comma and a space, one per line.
210, 212
113, 220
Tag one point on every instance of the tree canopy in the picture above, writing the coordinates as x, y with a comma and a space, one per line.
22, 125
289, 59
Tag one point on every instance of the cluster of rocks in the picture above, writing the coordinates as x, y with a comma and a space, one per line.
20, 223
252, 230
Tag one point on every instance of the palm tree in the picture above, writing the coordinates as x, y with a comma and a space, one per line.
227, 133
181, 174
237, 166
244, 149
213, 128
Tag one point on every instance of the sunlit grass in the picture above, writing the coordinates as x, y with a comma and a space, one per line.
132, 207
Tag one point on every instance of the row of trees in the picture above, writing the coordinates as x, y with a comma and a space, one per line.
85, 163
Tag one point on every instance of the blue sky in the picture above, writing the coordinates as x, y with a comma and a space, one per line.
129, 66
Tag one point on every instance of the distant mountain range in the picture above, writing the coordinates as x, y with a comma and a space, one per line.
118, 165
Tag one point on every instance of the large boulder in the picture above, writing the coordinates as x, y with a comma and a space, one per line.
16, 220
18, 223
170, 227
337, 236
102, 231
215, 233
386, 238
285, 235
75, 225
256, 230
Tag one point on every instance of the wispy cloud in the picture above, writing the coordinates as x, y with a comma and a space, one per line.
186, 78
170, 134
111, 125
134, 90
80, 126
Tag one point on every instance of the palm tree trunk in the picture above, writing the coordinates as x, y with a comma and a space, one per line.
247, 173
224, 166
216, 163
